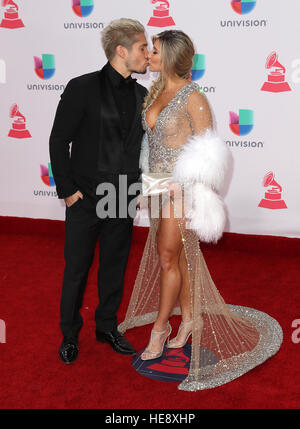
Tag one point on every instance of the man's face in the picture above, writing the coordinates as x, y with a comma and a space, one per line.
137, 57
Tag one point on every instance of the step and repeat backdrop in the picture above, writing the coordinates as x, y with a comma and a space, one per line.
247, 62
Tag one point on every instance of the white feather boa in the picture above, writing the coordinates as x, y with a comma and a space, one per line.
207, 215
204, 159
144, 155
203, 164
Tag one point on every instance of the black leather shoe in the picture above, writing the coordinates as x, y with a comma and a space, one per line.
117, 341
68, 351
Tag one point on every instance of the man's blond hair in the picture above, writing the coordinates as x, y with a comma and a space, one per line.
123, 32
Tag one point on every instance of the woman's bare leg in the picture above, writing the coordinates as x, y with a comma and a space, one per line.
185, 305
185, 294
169, 246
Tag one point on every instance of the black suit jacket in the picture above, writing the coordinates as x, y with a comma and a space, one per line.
87, 116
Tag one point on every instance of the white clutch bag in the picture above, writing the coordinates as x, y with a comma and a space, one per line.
155, 183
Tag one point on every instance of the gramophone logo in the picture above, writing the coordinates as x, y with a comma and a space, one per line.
83, 8
11, 15
272, 198
241, 124
173, 365
18, 129
198, 67
243, 6
276, 77
46, 175
44, 67
161, 14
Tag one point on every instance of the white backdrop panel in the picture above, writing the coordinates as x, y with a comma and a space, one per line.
235, 47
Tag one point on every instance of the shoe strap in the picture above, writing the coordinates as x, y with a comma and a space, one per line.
182, 324
162, 332
188, 322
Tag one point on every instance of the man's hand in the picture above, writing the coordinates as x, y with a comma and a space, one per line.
73, 198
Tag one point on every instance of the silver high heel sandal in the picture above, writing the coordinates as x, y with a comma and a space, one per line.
147, 353
174, 343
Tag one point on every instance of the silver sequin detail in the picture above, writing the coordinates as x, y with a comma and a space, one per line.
163, 156
270, 340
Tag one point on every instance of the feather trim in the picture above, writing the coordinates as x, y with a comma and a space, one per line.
204, 159
207, 217
144, 155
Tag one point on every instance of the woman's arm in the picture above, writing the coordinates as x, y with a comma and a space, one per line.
201, 167
204, 158
199, 112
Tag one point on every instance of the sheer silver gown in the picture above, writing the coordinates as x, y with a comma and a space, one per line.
238, 338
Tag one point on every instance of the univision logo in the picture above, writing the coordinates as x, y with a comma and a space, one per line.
198, 70
198, 67
242, 124
83, 8
47, 175
44, 67
48, 180
243, 6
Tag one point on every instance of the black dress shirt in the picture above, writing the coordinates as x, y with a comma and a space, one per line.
123, 93
87, 115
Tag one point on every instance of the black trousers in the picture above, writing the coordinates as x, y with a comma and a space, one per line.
83, 229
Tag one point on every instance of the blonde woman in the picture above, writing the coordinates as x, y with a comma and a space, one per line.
182, 150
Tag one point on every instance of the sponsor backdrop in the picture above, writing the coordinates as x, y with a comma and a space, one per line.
247, 63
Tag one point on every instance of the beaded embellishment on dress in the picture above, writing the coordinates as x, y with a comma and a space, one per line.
238, 338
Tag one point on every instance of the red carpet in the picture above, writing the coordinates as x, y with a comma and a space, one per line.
255, 271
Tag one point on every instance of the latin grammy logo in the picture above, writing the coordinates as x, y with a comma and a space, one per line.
18, 129
276, 77
272, 198
161, 17
11, 15
176, 362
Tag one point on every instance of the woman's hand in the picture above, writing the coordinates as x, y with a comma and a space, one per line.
174, 189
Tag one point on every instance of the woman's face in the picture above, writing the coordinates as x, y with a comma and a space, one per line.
155, 58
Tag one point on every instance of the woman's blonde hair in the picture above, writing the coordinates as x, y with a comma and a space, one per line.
177, 52
123, 32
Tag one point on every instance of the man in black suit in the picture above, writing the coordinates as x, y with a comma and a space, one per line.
100, 114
